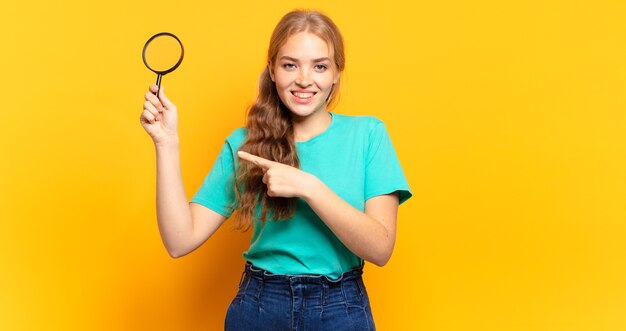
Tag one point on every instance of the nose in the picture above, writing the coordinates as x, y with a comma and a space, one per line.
304, 78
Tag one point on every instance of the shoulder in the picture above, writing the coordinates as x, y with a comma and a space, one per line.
365, 120
358, 120
236, 138
364, 124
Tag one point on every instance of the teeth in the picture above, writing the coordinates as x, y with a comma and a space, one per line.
303, 95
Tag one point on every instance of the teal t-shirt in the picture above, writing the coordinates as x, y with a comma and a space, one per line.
354, 157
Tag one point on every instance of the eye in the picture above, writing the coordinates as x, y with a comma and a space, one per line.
289, 66
320, 67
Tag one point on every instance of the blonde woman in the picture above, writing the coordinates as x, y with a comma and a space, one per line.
320, 190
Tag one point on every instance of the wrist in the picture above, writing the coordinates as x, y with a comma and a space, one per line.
312, 186
167, 142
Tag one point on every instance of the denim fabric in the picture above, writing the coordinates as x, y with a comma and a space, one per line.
271, 302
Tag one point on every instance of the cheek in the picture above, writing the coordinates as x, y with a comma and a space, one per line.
283, 91
282, 82
327, 83
329, 78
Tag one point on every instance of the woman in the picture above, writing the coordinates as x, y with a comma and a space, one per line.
321, 190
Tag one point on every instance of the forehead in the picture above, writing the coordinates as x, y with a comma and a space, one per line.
304, 45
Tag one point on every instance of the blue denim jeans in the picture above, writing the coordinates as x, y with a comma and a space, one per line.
273, 302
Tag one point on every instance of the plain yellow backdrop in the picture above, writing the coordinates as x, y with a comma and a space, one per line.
508, 117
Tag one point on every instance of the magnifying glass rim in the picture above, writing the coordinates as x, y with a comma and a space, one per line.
182, 53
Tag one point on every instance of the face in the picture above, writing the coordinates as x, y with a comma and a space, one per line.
304, 73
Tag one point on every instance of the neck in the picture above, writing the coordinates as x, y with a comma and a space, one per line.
310, 126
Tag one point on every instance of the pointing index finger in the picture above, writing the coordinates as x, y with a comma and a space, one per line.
261, 162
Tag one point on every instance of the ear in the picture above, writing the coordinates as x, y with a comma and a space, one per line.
270, 69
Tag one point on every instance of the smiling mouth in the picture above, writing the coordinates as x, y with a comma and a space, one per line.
303, 95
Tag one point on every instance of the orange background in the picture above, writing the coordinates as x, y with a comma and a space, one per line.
508, 117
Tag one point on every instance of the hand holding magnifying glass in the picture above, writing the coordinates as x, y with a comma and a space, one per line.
161, 54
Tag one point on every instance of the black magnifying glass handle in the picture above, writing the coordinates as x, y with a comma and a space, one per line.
158, 84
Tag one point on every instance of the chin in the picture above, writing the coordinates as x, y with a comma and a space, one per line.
298, 111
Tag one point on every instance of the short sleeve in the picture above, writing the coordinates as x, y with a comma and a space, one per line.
216, 192
383, 174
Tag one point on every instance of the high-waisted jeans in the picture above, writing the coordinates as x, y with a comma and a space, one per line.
273, 302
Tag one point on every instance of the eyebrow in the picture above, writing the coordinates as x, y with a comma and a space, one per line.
321, 59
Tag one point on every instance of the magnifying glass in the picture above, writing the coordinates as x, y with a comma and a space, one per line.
162, 54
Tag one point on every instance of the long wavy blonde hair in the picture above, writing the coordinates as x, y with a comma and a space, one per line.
269, 127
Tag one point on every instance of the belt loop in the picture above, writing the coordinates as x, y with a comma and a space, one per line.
343, 292
325, 291
241, 279
360, 285
260, 289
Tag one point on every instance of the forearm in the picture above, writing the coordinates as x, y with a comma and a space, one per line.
173, 212
363, 235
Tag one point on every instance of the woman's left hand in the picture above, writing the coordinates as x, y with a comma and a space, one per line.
282, 180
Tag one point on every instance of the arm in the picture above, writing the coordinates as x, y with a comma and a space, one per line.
370, 235
183, 227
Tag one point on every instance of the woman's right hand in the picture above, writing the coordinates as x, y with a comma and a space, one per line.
159, 117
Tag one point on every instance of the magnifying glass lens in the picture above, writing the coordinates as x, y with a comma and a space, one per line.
162, 53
